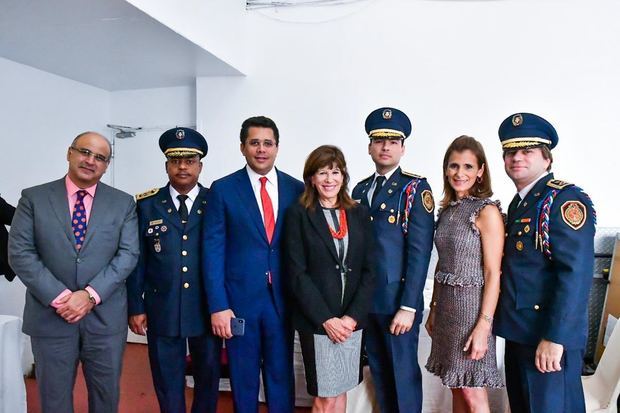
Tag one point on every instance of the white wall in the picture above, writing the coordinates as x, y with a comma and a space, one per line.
455, 67
216, 25
139, 163
41, 114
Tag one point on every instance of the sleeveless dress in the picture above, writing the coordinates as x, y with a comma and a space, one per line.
460, 273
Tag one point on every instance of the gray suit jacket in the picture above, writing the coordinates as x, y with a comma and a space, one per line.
42, 252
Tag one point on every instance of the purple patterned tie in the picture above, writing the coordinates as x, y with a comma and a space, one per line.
78, 220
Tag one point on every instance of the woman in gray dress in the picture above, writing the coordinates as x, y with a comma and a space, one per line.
469, 240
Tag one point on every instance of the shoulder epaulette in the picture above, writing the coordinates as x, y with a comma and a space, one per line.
412, 175
558, 184
147, 194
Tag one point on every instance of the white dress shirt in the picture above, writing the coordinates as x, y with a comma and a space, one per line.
189, 202
371, 190
271, 186
523, 193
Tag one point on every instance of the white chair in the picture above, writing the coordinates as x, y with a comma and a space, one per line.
601, 390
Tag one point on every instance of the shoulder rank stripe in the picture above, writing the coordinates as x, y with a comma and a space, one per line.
412, 175
558, 184
147, 194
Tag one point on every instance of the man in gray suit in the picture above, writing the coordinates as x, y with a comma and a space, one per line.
73, 242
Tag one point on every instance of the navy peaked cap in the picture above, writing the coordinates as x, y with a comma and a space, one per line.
182, 142
388, 123
526, 130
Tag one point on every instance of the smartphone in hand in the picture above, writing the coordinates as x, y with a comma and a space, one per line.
237, 326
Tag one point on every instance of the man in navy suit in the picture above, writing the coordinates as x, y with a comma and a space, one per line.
401, 206
165, 292
241, 250
546, 274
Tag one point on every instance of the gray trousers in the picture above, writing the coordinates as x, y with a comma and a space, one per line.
56, 360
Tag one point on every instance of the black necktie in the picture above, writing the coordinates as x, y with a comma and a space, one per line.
514, 204
378, 184
183, 208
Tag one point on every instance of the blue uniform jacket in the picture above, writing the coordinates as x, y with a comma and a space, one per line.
169, 269
238, 258
401, 260
546, 297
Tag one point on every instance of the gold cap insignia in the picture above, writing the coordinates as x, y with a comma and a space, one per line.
387, 114
517, 120
574, 213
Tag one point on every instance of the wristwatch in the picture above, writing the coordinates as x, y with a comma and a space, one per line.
91, 298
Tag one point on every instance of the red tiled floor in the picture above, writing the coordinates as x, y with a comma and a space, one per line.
137, 394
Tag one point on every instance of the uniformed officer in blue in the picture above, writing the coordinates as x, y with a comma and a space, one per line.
546, 274
401, 206
166, 295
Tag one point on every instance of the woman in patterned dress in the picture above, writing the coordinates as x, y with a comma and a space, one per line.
469, 240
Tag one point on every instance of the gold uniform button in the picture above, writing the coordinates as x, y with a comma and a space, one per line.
186, 285
184, 237
184, 269
519, 246
536, 307
184, 253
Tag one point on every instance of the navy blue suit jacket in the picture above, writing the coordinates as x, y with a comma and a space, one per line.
237, 256
401, 261
171, 281
543, 298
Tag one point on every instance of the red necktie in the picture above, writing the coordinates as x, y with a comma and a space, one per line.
270, 222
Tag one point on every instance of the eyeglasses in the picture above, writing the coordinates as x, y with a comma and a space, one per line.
87, 153
186, 161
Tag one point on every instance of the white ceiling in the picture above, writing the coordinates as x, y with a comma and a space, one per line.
105, 43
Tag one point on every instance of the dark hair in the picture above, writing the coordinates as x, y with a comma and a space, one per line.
544, 150
325, 156
259, 122
546, 154
480, 189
